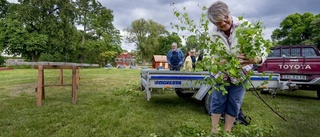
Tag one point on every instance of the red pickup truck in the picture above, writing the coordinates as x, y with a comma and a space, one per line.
298, 64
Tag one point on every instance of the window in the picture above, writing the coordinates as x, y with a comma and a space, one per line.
308, 52
285, 52
295, 52
274, 53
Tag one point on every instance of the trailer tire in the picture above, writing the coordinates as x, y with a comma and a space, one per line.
183, 95
142, 87
264, 91
206, 102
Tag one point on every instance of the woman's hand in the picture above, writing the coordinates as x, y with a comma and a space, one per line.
245, 61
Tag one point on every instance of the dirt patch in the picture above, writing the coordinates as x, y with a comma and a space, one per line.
28, 88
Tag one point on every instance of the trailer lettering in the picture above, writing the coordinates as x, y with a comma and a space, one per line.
167, 82
295, 66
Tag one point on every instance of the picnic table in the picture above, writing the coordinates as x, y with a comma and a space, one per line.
57, 65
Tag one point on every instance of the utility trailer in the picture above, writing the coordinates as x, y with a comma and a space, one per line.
186, 84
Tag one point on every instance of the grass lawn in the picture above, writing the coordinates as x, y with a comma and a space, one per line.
110, 103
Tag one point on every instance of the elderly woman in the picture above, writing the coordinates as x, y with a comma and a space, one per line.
225, 27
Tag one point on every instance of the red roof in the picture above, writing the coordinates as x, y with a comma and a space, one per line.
160, 58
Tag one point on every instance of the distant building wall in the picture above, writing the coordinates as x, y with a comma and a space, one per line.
125, 59
11, 62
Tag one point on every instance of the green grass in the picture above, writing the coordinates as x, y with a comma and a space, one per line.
111, 104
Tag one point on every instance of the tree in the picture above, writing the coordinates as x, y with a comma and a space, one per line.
191, 42
4, 4
32, 28
96, 21
295, 29
166, 41
315, 36
145, 35
108, 56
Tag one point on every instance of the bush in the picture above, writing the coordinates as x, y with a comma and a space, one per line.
2, 61
22, 66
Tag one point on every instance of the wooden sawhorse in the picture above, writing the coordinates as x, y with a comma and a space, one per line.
74, 84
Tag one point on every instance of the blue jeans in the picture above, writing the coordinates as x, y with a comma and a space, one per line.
175, 67
229, 103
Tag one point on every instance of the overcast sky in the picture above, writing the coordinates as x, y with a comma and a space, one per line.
270, 12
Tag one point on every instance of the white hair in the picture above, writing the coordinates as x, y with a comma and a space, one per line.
217, 11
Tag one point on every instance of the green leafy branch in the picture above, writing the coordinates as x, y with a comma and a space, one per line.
250, 43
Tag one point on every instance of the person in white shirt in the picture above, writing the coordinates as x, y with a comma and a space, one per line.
224, 29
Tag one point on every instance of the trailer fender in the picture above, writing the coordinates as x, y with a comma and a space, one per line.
202, 92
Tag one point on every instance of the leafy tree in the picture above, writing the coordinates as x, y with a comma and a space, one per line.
32, 28
145, 35
84, 12
315, 36
2, 61
108, 56
295, 29
4, 4
3, 11
98, 34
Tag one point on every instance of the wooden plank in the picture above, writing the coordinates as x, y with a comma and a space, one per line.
57, 85
56, 64
39, 88
55, 67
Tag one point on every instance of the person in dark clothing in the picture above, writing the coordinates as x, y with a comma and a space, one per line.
175, 58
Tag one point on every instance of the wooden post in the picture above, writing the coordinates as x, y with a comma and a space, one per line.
74, 84
40, 86
61, 77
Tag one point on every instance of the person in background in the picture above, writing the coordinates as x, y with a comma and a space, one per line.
224, 29
175, 57
190, 61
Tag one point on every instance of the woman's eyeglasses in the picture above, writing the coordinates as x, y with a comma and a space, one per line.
225, 19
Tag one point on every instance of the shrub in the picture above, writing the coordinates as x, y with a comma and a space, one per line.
22, 66
2, 61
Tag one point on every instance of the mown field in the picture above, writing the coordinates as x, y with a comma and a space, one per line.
110, 103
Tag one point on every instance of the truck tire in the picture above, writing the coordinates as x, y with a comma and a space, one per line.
206, 102
183, 95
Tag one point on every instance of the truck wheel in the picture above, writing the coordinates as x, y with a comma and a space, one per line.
183, 95
318, 94
206, 102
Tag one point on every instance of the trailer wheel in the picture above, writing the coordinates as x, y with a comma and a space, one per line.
142, 87
183, 95
264, 91
318, 94
206, 102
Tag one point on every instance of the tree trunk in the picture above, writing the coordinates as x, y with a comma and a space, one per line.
83, 42
35, 57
